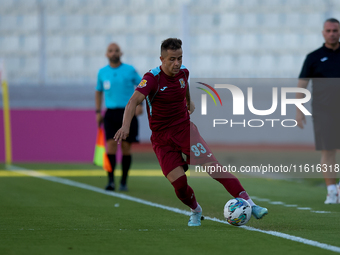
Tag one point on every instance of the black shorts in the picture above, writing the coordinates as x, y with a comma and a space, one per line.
326, 129
113, 121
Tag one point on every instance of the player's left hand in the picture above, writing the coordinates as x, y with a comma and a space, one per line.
121, 134
191, 107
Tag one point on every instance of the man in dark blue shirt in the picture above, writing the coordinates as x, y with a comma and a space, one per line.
323, 67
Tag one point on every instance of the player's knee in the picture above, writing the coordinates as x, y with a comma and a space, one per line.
111, 146
126, 148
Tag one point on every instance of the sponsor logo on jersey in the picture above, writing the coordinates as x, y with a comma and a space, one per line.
142, 84
323, 59
162, 89
182, 82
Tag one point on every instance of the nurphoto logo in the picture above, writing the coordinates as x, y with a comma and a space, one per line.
238, 107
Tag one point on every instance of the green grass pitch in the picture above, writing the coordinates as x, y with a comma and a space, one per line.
42, 217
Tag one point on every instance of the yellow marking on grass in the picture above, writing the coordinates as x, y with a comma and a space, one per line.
85, 173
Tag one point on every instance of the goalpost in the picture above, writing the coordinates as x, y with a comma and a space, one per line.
6, 114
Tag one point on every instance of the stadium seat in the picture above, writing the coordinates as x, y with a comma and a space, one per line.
204, 42
136, 5
140, 42
139, 21
95, 43
312, 41
269, 41
249, 20
31, 43
314, 20
293, 20
117, 22
295, 4
227, 5
74, 22
55, 64
8, 23
10, 43
228, 20
286, 62
166, 21
75, 43
31, 65
271, 20
266, 63
95, 22
75, 63
30, 23
12, 63
7, 5
243, 62
52, 22
248, 41
205, 22
54, 44
223, 63
290, 41
164, 6
227, 41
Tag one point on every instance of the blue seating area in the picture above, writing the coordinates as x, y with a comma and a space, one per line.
226, 38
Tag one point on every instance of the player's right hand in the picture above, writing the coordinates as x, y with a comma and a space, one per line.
300, 119
121, 134
99, 119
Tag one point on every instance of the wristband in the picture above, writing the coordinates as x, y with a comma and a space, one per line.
98, 111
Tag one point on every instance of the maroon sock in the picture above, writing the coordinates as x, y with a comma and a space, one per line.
229, 181
184, 192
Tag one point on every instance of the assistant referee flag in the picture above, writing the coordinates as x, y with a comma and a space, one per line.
100, 157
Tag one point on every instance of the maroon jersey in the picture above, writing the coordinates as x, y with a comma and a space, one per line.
165, 97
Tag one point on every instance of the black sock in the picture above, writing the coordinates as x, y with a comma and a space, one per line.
126, 163
112, 159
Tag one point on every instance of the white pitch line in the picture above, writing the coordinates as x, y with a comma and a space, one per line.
168, 208
284, 204
304, 208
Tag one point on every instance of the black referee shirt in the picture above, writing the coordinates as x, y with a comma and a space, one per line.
323, 66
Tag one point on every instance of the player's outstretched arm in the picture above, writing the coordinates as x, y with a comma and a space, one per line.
129, 112
139, 110
300, 117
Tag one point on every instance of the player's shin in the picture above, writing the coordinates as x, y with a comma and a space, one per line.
185, 193
126, 163
231, 184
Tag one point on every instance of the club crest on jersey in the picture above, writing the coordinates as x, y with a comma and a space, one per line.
142, 84
182, 82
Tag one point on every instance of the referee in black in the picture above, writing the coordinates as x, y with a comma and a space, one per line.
322, 66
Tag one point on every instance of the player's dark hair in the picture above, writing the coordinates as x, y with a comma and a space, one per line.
332, 20
171, 44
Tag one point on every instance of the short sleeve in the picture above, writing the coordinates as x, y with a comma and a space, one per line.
136, 77
306, 71
99, 86
148, 85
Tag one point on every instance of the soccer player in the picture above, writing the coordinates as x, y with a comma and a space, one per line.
166, 91
321, 66
117, 81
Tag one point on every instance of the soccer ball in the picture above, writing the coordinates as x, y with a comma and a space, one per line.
237, 211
